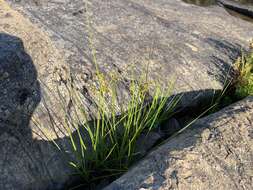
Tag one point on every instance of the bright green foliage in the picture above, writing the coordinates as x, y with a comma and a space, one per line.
244, 80
106, 146
103, 141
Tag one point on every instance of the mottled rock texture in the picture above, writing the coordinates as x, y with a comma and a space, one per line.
42, 38
195, 44
214, 153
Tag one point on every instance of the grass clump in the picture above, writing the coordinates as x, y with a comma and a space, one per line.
105, 142
103, 136
102, 143
106, 146
238, 83
244, 75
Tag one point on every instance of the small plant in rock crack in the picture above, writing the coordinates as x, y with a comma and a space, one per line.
103, 141
238, 83
244, 78
106, 146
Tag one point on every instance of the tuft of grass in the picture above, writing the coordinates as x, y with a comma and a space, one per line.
103, 139
103, 142
238, 83
113, 137
244, 75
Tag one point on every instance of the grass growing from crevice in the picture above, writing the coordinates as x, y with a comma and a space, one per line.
239, 86
104, 141
244, 72
107, 146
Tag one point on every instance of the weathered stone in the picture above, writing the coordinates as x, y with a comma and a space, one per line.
196, 44
214, 153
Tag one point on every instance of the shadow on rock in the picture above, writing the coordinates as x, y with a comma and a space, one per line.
24, 163
223, 64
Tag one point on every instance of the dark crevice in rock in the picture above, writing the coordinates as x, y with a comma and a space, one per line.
212, 142
243, 9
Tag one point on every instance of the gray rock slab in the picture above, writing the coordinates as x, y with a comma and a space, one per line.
214, 153
195, 44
